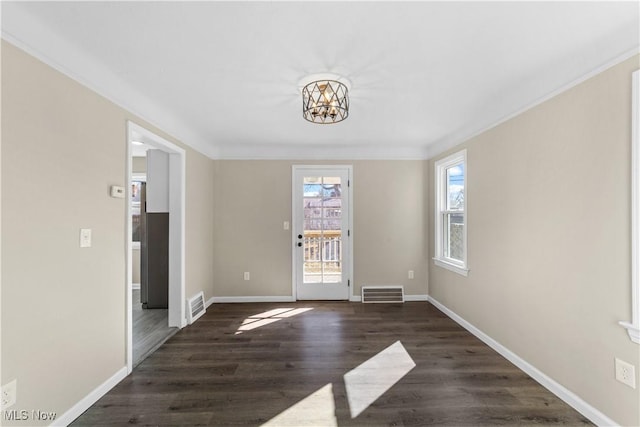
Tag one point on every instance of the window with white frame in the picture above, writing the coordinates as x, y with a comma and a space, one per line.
451, 213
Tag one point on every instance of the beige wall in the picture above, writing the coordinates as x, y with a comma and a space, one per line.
63, 308
549, 225
138, 164
253, 198
199, 226
549, 248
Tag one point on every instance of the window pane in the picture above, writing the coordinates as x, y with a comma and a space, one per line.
454, 236
455, 187
331, 189
312, 207
312, 186
322, 230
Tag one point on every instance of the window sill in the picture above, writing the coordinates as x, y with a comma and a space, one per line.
451, 267
634, 331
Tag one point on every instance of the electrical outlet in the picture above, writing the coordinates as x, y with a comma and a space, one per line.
247, 275
626, 373
9, 391
410, 275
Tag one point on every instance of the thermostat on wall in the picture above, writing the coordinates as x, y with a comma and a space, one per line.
117, 192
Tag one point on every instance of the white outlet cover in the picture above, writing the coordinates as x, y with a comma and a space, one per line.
626, 373
9, 392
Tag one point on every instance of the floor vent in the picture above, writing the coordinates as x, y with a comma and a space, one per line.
196, 307
382, 294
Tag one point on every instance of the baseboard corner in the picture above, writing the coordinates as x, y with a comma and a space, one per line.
418, 297
564, 394
85, 403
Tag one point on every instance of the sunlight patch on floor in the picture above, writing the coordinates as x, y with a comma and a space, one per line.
317, 409
271, 316
370, 380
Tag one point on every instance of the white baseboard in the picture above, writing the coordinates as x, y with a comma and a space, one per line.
358, 298
209, 302
225, 300
416, 297
352, 298
84, 404
567, 396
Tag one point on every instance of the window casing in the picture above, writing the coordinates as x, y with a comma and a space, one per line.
451, 213
633, 327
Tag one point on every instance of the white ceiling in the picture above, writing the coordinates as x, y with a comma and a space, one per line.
223, 76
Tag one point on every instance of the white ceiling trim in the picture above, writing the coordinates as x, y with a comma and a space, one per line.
41, 42
441, 146
318, 151
77, 66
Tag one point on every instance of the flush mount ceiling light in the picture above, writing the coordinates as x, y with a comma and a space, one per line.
325, 98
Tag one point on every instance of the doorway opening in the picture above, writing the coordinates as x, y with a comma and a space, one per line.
322, 224
153, 313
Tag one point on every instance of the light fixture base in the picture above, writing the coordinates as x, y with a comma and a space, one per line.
323, 76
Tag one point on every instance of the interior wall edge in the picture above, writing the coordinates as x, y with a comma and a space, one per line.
85, 403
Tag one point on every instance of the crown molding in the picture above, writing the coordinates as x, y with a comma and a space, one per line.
60, 55
469, 132
268, 151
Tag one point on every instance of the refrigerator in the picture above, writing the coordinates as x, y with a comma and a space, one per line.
154, 256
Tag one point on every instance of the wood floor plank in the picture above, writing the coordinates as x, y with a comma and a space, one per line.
150, 328
219, 371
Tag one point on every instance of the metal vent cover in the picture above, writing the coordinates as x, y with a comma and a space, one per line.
196, 307
382, 294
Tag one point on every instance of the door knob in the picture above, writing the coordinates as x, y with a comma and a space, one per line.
299, 244
299, 236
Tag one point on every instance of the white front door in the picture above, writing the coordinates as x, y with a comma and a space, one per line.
321, 234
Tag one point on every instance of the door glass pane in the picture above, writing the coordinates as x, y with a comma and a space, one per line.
322, 230
312, 208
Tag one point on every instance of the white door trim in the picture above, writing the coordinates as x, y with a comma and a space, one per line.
294, 169
177, 202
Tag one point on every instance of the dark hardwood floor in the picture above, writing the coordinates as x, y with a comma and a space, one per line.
345, 364
150, 329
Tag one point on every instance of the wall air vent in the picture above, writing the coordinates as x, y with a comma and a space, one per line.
196, 307
382, 294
